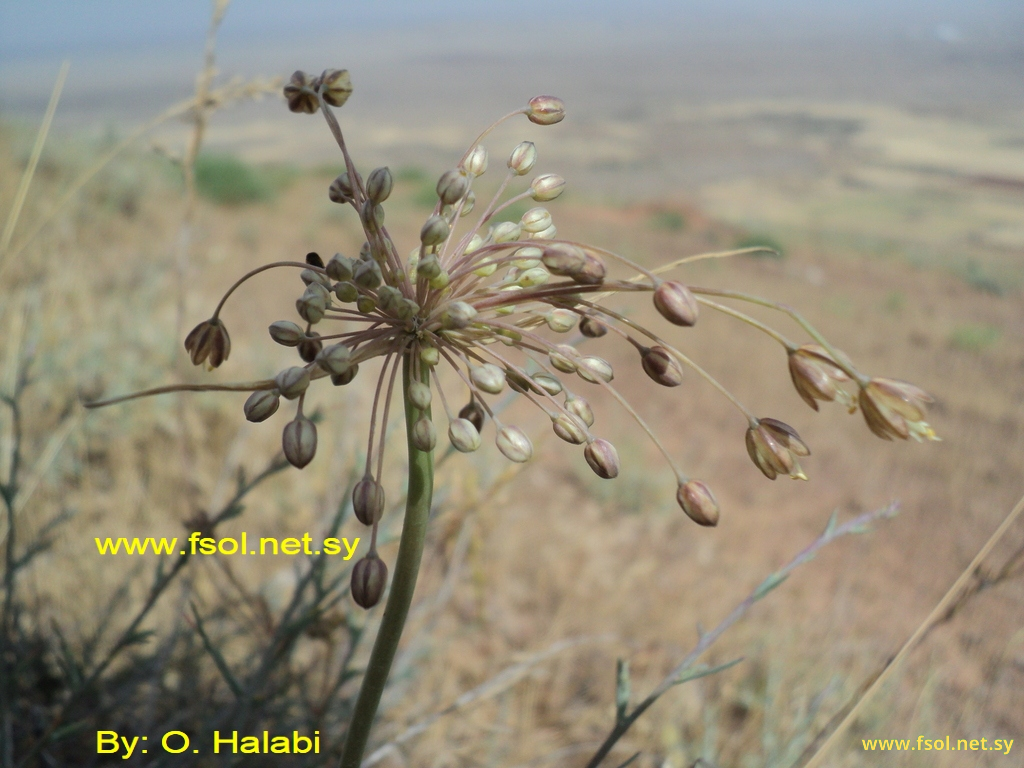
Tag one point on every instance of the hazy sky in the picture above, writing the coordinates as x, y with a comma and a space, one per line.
47, 28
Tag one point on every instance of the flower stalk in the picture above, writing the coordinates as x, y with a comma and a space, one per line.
407, 567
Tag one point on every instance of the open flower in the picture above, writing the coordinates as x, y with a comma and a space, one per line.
896, 409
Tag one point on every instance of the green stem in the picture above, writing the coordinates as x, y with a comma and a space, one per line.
403, 584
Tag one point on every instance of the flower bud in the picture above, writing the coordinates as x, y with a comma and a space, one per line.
563, 259
570, 428
561, 320
514, 444
522, 159
602, 458
546, 110
452, 187
816, 376
312, 306
342, 190
299, 441
530, 278
261, 405
309, 276
506, 232
366, 251
208, 342
474, 414
592, 328
488, 377
593, 369
369, 578
774, 446
335, 359
368, 500
536, 220
435, 231
659, 364
341, 379
419, 395
346, 292
440, 282
366, 304
468, 204
372, 215
579, 406
379, 184
562, 358
592, 272
429, 267
457, 315
465, 437
292, 382
430, 356
388, 298
547, 382
517, 382
368, 275
547, 187
527, 257
675, 303
476, 161
896, 409
286, 333
698, 503
337, 86
310, 347
424, 436
300, 93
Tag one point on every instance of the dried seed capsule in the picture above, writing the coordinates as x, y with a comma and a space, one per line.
592, 272
536, 220
369, 578
300, 93
578, 406
594, 369
474, 414
299, 441
452, 187
476, 161
546, 110
514, 444
547, 187
368, 500
341, 379
310, 347
659, 364
896, 409
424, 436
337, 86
547, 382
570, 428
208, 342
379, 184
457, 315
465, 437
592, 328
292, 382
261, 405
698, 503
286, 333
335, 359
602, 458
488, 377
675, 303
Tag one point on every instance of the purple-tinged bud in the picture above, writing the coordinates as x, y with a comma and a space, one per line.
522, 159
292, 382
579, 406
465, 437
341, 379
424, 436
261, 405
208, 343
561, 320
817, 376
369, 578
659, 364
675, 303
698, 503
546, 110
592, 328
286, 333
774, 446
337, 86
335, 359
419, 395
562, 358
474, 414
476, 161
536, 220
594, 369
488, 378
379, 184
563, 259
300, 93
896, 409
299, 441
514, 444
368, 500
570, 428
547, 187
452, 187
457, 315
340, 267
602, 458
592, 272
310, 347
341, 189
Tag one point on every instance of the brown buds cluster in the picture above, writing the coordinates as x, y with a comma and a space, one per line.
208, 342
774, 447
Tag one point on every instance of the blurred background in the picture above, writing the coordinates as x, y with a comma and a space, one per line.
878, 147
